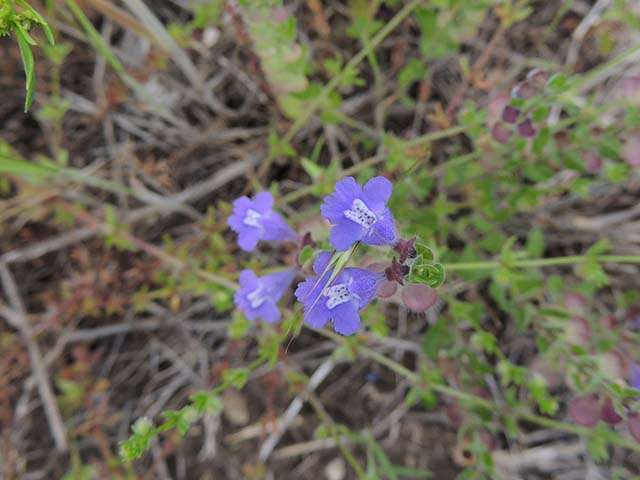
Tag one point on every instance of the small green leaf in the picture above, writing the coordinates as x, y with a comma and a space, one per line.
535, 243
236, 377
29, 70
438, 337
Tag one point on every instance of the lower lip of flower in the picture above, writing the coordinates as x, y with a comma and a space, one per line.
256, 298
337, 295
360, 214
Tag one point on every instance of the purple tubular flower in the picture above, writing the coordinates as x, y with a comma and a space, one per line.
635, 376
360, 214
258, 297
255, 220
340, 302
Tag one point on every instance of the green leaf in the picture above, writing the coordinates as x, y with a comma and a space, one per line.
535, 243
438, 337
305, 255
239, 325
599, 248
29, 70
206, 402
313, 169
236, 377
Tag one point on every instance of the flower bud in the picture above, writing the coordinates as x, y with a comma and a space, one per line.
406, 249
510, 114
608, 414
501, 133
585, 410
396, 271
526, 129
538, 77
523, 91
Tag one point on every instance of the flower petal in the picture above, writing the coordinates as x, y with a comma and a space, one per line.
263, 202
346, 320
376, 193
364, 283
320, 264
277, 283
383, 232
344, 234
318, 315
248, 280
347, 190
248, 239
268, 311
276, 228
240, 207
635, 376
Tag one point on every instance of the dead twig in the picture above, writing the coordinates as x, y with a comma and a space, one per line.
51, 410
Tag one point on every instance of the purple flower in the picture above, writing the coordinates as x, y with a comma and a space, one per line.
258, 297
340, 302
360, 214
635, 376
255, 220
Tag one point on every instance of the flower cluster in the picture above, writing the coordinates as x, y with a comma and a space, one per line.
255, 220
335, 293
338, 300
357, 214
507, 119
587, 410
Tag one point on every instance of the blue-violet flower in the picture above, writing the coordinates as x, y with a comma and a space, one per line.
340, 302
360, 214
255, 220
258, 297
635, 376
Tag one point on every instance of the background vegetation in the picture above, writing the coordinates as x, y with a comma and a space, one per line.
511, 132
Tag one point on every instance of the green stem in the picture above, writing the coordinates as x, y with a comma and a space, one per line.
428, 138
433, 136
610, 436
588, 77
541, 262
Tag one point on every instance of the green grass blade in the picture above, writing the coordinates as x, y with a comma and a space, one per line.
95, 39
43, 23
29, 66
